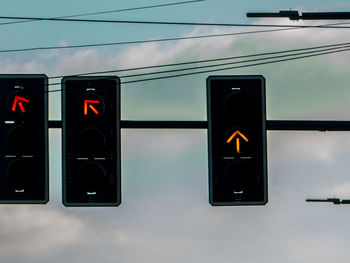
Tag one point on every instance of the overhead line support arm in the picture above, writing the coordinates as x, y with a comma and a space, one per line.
277, 125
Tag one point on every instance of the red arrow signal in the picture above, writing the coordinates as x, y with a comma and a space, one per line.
19, 101
88, 104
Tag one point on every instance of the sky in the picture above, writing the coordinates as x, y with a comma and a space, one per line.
165, 215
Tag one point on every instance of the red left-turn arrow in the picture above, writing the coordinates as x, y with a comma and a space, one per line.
19, 101
88, 103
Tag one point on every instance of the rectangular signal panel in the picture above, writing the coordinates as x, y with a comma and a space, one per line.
91, 141
237, 140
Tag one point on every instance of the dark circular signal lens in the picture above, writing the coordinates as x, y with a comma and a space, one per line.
238, 176
21, 175
91, 142
92, 176
238, 107
21, 140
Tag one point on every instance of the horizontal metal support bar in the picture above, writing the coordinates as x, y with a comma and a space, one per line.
331, 200
291, 14
294, 15
285, 125
272, 125
150, 124
324, 15
266, 14
55, 124
306, 125
164, 124
336, 201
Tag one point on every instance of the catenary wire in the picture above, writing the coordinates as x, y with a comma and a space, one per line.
112, 11
237, 67
208, 60
154, 40
135, 8
144, 74
141, 41
297, 56
227, 63
168, 22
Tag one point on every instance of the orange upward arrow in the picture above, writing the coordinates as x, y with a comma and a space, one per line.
238, 145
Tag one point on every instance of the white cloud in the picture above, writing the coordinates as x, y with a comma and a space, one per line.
29, 67
336, 189
93, 59
305, 37
166, 144
342, 189
87, 60
195, 229
309, 146
161, 52
144, 55
36, 229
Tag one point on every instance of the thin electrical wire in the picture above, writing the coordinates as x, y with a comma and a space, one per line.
296, 57
228, 63
150, 41
169, 23
207, 60
136, 8
236, 67
141, 41
112, 11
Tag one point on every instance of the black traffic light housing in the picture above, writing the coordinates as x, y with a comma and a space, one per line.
237, 140
24, 139
91, 141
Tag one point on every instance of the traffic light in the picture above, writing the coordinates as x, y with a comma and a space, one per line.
91, 141
237, 140
24, 139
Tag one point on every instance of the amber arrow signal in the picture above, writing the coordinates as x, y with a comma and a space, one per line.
237, 134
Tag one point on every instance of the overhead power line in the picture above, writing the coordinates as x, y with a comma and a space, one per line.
113, 11
139, 41
167, 22
150, 40
230, 63
322, 47
236, 67
267, 60
135, 8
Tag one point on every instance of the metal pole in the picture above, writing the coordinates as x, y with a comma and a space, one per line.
272, 125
